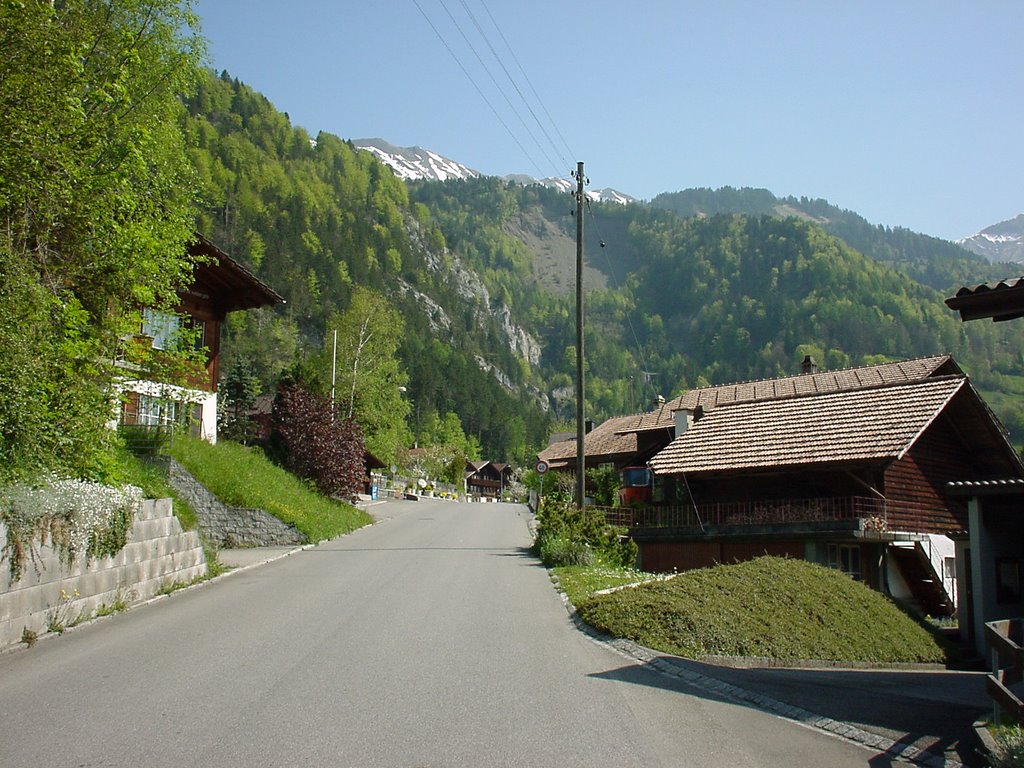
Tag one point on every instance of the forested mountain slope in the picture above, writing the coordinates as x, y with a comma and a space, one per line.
315, 218
938, 263
482, 271
675, 302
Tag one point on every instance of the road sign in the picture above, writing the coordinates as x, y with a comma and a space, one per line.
542, 467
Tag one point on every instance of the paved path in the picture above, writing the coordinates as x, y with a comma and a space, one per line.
430, 639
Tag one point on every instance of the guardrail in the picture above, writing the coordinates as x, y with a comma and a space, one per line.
1005, 639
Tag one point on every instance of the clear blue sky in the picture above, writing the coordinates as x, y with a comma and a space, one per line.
909, 112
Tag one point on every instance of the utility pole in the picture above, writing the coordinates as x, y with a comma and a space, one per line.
581, 461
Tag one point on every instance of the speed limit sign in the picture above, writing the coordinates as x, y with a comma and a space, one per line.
542, 467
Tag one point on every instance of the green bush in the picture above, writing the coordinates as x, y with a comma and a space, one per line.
560, 520
556, 551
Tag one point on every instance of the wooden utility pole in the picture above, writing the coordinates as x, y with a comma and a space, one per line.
581, 462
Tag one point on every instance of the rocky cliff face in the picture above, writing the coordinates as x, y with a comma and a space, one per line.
471, 289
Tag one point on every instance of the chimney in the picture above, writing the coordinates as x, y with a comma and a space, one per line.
808, 365
588, 426
659, 401
687, 417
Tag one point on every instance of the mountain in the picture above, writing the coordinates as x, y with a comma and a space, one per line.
937, 263
413, 163
734, 285
417, 164
1000, 242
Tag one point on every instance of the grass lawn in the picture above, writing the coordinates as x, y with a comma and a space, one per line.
243, 477
579, 582
769, 607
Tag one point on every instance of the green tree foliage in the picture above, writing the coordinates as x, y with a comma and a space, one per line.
369, 378
96, 209
937, 263
718, 297
443, 448
672, 302
236, 397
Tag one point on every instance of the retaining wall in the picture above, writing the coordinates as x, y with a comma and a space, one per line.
158, 552
229, 527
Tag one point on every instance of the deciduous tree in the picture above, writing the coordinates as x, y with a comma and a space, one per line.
96, 208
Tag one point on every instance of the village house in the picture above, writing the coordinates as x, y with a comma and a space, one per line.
602, 445
853, 479
486, 479
220, 285
851, 469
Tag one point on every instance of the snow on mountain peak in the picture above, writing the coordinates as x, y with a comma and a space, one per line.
415, 163
1000, 242
412, 163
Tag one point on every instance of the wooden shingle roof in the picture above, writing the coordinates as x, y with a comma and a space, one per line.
604, 441
822, 382
834, 428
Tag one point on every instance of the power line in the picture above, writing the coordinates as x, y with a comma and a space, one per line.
477, 87
512, 80
532, 90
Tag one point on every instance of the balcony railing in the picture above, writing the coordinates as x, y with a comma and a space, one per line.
766, 512
1004, 641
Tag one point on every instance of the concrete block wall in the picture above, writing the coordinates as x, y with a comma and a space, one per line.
225, 526
158, 552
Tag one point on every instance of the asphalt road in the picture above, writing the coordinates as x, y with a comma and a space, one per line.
432, 638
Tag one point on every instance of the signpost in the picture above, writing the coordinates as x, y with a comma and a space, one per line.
541, 467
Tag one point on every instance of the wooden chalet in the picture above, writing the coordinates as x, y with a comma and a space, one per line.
605, 444
486, 479
850, 478
220, 285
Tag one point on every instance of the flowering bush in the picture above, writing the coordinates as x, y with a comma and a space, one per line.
73, 516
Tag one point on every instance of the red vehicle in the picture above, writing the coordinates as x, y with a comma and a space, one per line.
637, 486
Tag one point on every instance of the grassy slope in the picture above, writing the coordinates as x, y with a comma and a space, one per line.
241, 477
769, 607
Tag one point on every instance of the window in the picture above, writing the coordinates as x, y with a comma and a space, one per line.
156, 412
845, 558
161, 327
198, 328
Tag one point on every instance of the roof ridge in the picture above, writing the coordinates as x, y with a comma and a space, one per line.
851, 368
848, 390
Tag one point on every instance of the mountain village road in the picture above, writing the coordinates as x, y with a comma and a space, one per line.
433, 638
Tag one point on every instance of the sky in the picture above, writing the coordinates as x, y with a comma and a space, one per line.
908, 112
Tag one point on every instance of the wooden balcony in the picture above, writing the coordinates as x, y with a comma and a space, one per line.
873, 511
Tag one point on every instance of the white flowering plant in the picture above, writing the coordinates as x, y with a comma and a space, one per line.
73, 516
